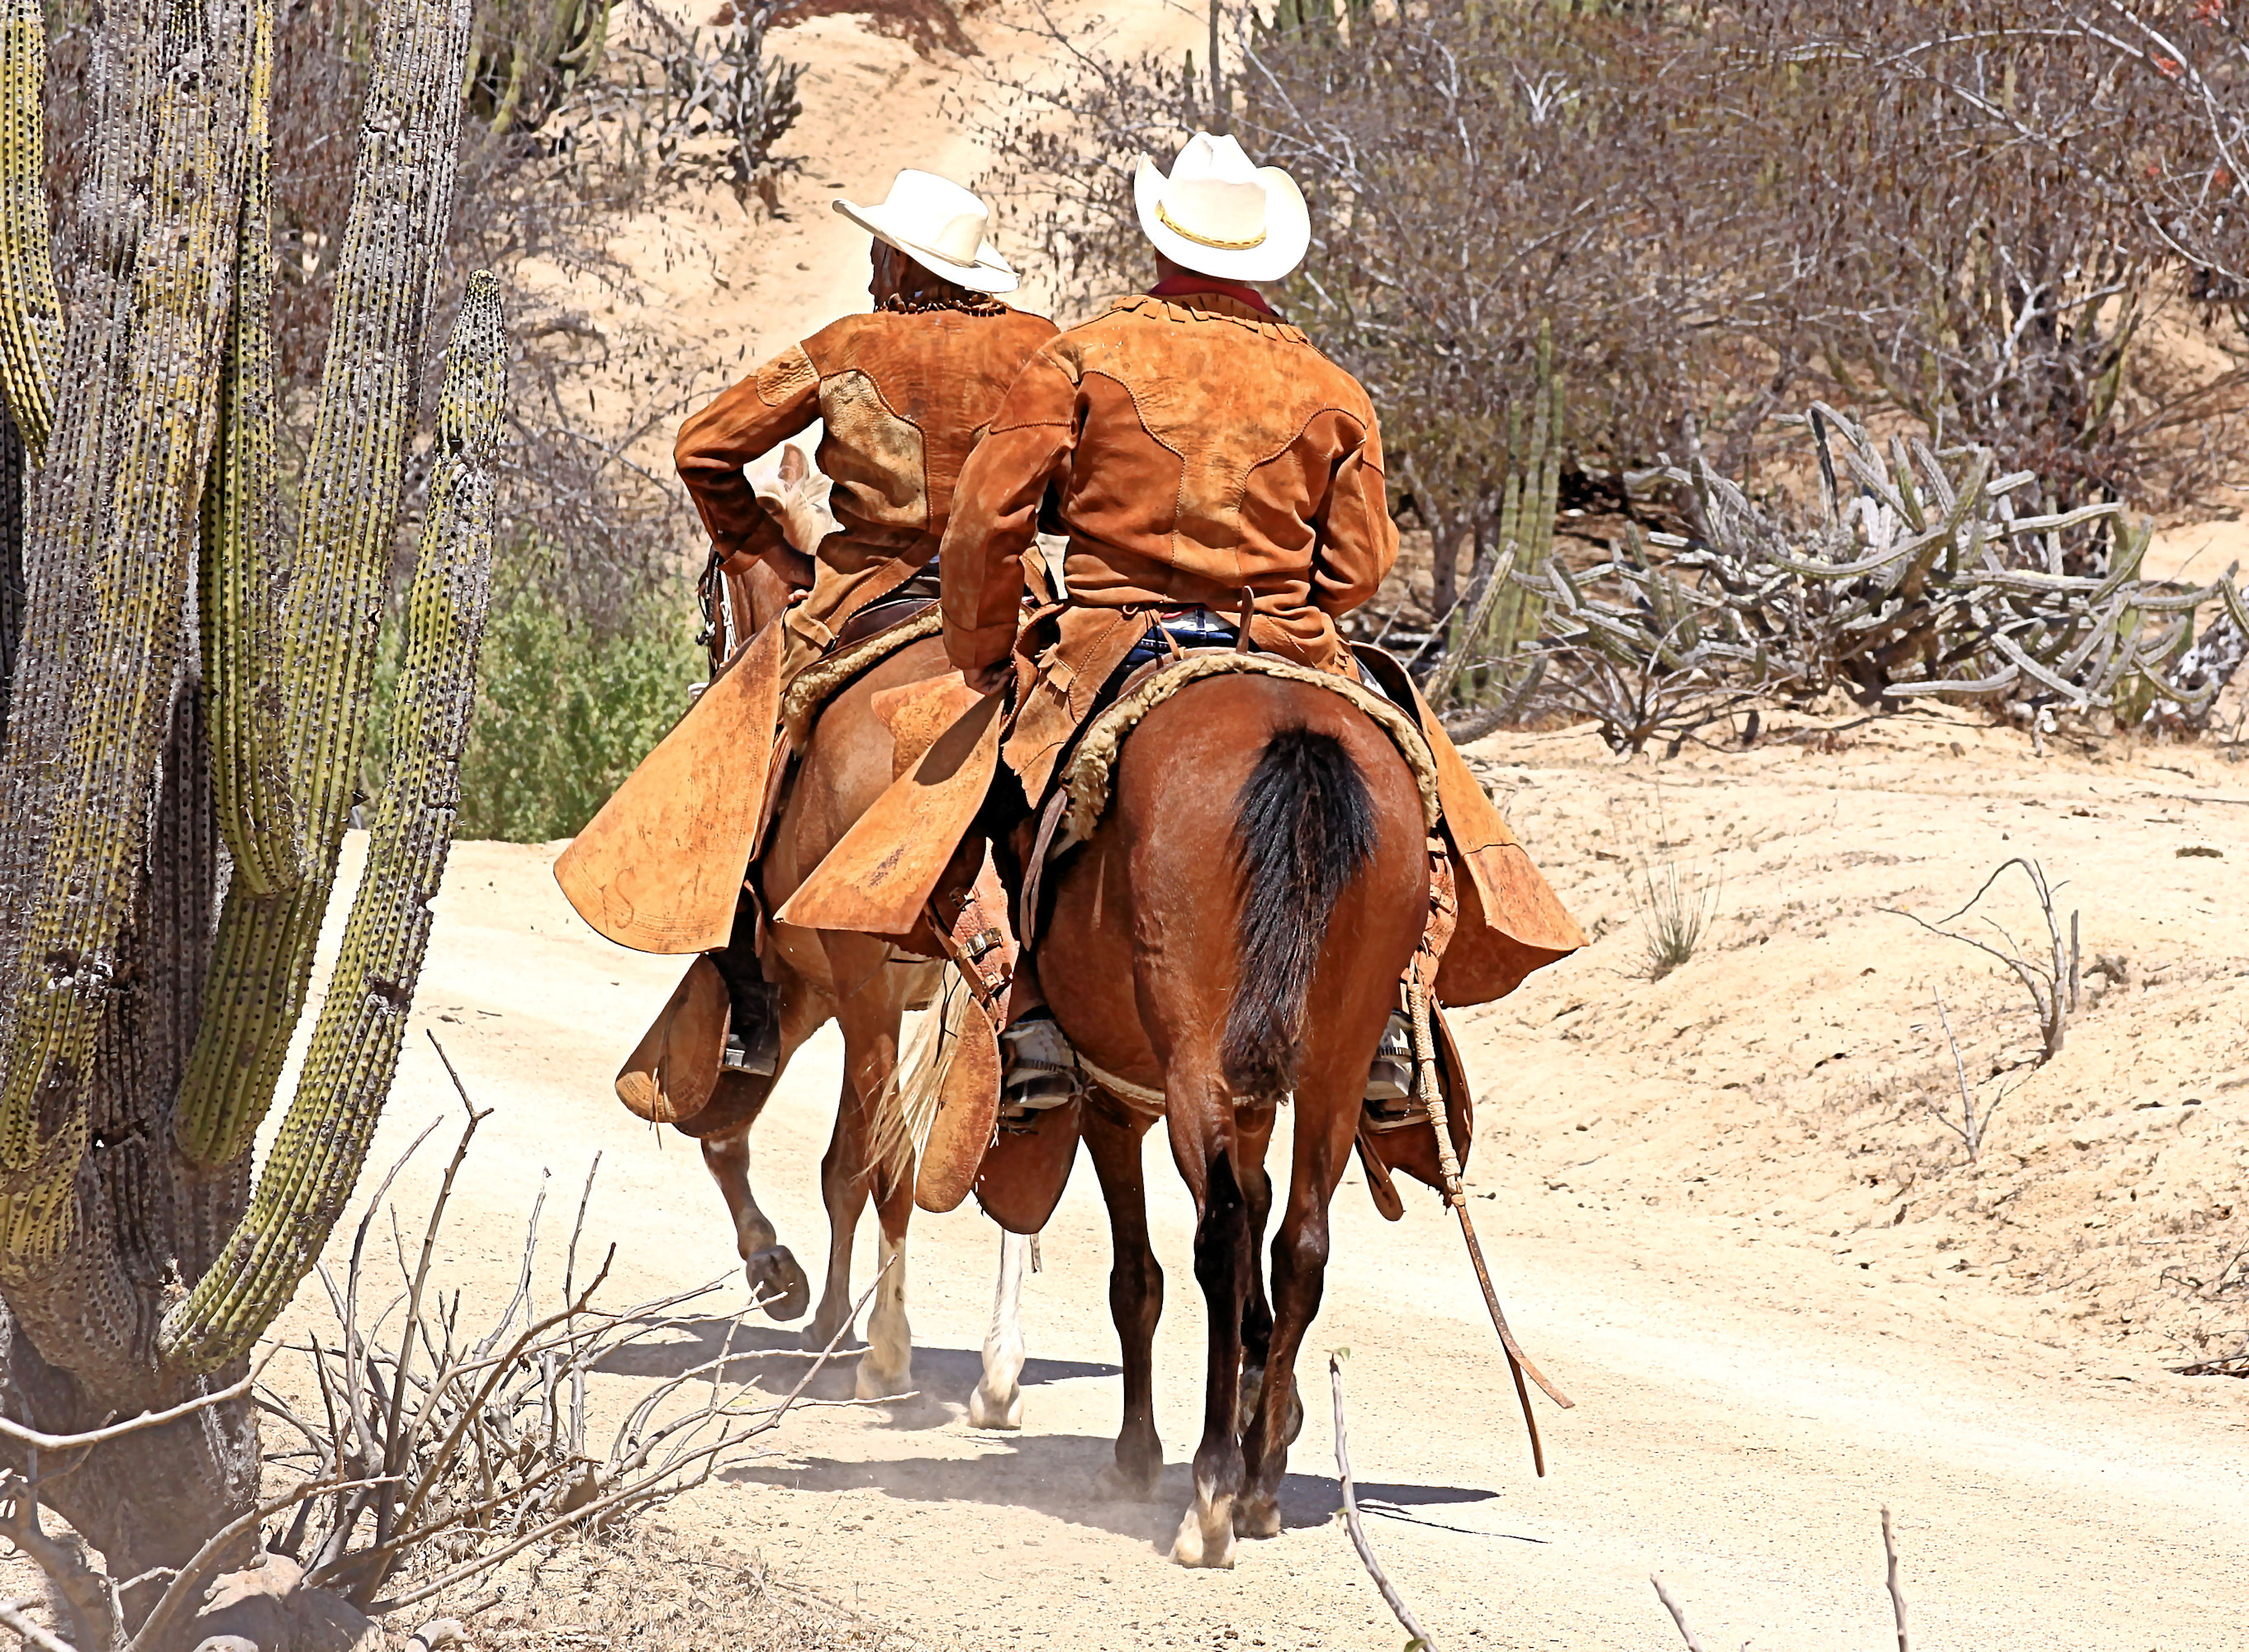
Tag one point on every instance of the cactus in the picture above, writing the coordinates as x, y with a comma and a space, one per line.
30, 310
141, 424
1504, 620
144, 1023
354, 1047
241, 578
334, 609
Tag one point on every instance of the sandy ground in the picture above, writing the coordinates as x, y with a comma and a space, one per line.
1719, 1204
1723, 1204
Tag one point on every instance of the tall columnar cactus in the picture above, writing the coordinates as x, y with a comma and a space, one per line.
1504, 618
334, 609
30, 310
191, 696
94, 686
354, 1049
243, 570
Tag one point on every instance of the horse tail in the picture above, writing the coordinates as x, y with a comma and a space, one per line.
1305, 826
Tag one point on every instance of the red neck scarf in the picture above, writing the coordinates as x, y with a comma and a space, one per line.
1187, 285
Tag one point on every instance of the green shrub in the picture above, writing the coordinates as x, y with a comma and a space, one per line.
563, 712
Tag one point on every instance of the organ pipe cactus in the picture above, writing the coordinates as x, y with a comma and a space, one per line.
1503, 619
354, 1049
188, 712
241, 566
30, 312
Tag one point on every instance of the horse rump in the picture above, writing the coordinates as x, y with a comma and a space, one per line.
1304, 827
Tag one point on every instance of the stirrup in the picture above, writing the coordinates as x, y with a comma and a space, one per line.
1039, 1068
757, 1056
1390, 1077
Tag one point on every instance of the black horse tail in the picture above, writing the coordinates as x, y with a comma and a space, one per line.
1304, 825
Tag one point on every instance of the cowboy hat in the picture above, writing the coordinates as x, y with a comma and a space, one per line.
1221, 214
940, 226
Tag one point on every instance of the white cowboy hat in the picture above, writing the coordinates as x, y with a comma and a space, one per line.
940, 226
1221, 214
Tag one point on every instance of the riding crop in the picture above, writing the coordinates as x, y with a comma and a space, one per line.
1432, 1097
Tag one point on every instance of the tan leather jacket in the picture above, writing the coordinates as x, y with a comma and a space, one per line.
1194, 446
903, 397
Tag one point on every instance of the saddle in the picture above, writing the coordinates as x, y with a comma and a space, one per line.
665, 859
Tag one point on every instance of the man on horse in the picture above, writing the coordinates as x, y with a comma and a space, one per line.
1220, 482
903, 395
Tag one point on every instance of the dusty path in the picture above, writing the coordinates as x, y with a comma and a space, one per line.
1751, 1388
1742, 1244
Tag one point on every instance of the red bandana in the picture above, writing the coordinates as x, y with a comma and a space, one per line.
1186, 283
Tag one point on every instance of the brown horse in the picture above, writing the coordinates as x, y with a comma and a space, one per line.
859, 981
1232, 938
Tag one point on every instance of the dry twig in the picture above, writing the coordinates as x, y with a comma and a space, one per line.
1403, 1614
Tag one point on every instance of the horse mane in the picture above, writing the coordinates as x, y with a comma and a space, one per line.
1304, 827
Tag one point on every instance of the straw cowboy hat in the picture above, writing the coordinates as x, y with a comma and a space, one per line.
1221, 214
940, 226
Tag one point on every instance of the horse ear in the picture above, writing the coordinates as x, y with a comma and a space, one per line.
795, 467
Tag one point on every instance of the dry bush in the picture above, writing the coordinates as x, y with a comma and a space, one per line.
1926, 572
417, 1458
1978, 217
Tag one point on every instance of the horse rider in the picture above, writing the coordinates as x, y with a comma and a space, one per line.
1211, 469
903, 394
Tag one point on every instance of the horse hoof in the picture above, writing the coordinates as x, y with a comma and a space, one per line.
778, 1283
1296, 1416
1114, 1484
875, 1383
816, 1336
1205, 1538
983, 1411
1256, 1516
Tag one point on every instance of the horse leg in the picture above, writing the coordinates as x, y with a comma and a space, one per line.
1136, 1301
1327, 1119
997, 1399
772, 1272
1255, 1131
862, 1155
1200, 1110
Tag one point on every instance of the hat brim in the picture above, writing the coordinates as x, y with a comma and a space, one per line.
990, 273
1288, 229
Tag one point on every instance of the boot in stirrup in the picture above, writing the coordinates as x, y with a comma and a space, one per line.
753, 1027
1038, 1068
1389, 1102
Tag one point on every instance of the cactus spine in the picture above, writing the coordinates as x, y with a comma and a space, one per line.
97, 684
242, 575
30, 310
334, 609
354, 1047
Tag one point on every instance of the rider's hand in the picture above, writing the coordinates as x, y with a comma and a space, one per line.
987, 680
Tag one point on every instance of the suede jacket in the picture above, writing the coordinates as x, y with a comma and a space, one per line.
904, 396
1193, 446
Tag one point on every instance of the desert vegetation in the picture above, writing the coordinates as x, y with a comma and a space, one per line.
1748, 375
1881, 336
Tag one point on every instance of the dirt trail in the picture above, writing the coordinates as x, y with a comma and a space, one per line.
1764, 1347
1719, 1205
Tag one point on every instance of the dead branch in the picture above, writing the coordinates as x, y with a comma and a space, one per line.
1970, 1126
1678, 1612
1898, 1593
2046, 982
1390, 1597
12, 1618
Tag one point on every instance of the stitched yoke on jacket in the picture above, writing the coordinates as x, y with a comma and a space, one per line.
1190, 447
903, 397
